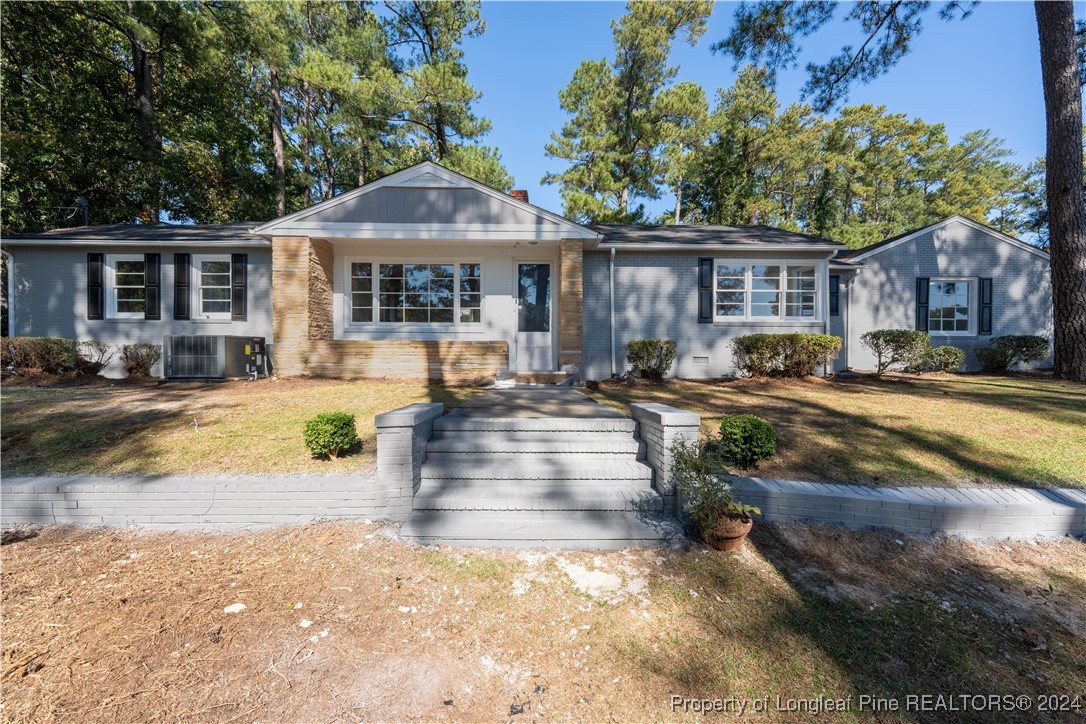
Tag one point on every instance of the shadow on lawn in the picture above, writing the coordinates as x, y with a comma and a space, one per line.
837, 635
868, 445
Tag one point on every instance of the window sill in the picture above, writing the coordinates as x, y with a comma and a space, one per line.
770, 322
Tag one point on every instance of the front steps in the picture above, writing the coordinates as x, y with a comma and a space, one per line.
525, 480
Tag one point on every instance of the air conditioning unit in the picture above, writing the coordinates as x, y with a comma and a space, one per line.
208, 357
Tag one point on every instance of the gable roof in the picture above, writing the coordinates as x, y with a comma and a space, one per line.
236, 234
855, 255
671, 236
426, 201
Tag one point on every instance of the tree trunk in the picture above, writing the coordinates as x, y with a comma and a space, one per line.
1066, 205
150, 139
277, 145
679, 201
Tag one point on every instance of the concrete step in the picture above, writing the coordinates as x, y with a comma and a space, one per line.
554, 495
574, 470
568, 530
535, 424
504, 436
540, 445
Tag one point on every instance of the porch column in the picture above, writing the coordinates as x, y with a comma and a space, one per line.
301, 300
571, 307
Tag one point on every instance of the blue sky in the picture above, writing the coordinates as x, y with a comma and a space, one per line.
983, 72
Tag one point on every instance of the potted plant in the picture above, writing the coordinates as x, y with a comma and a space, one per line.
707, 496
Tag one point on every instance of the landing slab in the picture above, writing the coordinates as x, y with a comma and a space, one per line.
558, 402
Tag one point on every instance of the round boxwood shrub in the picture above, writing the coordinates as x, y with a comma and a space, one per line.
945, 358
330, 433
745, 440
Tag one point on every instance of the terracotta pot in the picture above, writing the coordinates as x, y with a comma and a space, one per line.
729, 532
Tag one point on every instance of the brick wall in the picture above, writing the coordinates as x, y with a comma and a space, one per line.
571, 306
190, 503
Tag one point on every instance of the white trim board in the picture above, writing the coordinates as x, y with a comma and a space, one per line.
938, 225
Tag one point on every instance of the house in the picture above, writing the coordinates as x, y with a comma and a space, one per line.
426, 273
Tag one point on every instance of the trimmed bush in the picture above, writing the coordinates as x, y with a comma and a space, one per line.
945, 358
1024, 348
51, 355
993, 359
330, 433
651, 358
138, 359
745, 440
901, 348
784, 355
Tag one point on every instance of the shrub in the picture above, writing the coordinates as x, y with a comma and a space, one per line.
945, 358
138, 359
745, 440
784, 355
993, 359
904, 348
330, 433
705, 490
51, 355
1022, 348
651, 358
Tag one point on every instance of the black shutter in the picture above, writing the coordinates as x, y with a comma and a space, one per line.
151, 276
182, 294
705, 291
96, 302
835, 295
985, 306
239, 264
922, 303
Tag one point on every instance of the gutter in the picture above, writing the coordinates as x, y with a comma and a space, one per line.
611, 316
177, 243
785, 248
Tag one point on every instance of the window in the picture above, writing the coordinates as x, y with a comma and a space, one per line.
415, 293
949, 307
765, 291
128, 293
212, 286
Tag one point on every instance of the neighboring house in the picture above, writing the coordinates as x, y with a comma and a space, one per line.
962, 282
426, 273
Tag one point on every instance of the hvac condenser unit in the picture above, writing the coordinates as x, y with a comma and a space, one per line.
208, 357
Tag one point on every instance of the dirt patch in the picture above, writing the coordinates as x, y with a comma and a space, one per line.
343, 622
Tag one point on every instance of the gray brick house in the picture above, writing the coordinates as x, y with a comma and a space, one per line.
426, 273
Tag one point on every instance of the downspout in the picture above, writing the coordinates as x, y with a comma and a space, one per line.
11, 292
611, 315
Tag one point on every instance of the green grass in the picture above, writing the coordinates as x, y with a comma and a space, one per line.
946, 430
230, 428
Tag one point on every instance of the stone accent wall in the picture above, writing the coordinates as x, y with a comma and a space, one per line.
290, 303
660, 426
402, 436
302, 317
571, 306
320, 289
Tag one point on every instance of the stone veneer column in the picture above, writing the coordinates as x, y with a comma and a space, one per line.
570, 307
320, 289
290, 304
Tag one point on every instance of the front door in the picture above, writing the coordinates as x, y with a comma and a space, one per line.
534, 317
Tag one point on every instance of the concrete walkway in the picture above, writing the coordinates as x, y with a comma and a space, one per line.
966, 512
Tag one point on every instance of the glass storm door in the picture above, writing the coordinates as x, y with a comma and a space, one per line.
534, 317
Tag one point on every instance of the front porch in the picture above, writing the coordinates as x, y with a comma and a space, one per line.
427, 274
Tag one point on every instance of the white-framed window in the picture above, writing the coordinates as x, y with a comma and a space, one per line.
211, 286
415, 292
950, 306
126, 280
756, 290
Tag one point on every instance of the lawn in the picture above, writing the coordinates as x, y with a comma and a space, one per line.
343, 622
960, 430
194, 428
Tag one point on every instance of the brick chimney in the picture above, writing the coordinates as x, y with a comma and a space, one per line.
519, 195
